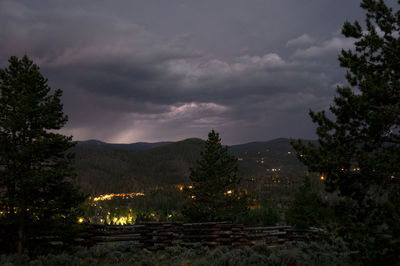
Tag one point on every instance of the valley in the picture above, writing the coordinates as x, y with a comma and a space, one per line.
131, 183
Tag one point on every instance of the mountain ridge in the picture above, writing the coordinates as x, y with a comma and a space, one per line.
136, 146
150, 145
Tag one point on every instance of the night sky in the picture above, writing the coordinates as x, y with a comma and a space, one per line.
168, 70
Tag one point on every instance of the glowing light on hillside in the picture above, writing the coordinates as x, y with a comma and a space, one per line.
81, 220
229, 192
122, 195
182, 187
322, 178
119, 220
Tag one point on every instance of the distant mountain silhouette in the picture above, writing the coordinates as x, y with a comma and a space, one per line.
138, 146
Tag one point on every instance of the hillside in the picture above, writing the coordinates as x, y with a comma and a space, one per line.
109, 168
103, 167
259, 158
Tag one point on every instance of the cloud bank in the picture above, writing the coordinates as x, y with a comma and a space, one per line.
149, 72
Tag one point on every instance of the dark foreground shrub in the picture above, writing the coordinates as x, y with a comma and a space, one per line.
299, 253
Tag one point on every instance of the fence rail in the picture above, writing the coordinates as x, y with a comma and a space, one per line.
159, 235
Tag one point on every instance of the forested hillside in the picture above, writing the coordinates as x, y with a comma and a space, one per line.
105, 168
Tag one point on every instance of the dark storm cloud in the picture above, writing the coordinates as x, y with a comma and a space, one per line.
167, 70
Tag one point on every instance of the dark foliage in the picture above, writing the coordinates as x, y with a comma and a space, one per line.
359, 151
308, 208
36, 194
215, 194
263, 216
300, 253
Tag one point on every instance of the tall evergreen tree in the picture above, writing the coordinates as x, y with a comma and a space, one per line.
36, 168
215, 194
359, 151
308, 208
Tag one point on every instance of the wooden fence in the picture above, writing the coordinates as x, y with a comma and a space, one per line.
159, 235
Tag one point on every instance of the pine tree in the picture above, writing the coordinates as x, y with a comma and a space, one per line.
36, 168
215, 194
308, 208
359, 151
